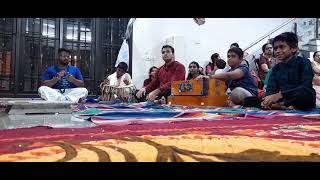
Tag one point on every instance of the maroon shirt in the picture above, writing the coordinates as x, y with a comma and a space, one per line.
146, 82
264, 60
174, 71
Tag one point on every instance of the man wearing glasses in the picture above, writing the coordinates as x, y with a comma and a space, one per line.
63, 82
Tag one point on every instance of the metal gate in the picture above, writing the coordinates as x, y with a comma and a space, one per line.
7, 52
29, 45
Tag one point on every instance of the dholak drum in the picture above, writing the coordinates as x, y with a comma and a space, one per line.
123, 93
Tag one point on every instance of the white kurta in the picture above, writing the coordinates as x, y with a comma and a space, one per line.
119, 82
71, 95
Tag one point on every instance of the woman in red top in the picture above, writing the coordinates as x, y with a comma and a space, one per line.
152, 74
210, 67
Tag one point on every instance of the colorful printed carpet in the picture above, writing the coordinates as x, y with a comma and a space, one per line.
184, 134
139, 113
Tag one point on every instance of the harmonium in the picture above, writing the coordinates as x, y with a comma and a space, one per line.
202, 92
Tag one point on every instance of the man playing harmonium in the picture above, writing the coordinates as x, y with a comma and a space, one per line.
171, 71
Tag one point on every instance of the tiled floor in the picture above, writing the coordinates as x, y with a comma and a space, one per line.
25, 121
51, 120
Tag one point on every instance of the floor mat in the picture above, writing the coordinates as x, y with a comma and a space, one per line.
147, 112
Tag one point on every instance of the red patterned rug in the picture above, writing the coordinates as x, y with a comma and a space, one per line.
250, 139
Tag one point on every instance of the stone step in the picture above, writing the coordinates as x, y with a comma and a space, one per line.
28, 109
35, 106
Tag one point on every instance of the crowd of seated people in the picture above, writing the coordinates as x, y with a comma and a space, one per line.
286, 80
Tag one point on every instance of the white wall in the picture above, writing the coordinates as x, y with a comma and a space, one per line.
193, 42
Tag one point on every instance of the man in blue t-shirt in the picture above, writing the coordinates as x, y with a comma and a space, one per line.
63, 82
239, 79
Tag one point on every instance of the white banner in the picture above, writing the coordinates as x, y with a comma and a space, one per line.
123, 55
